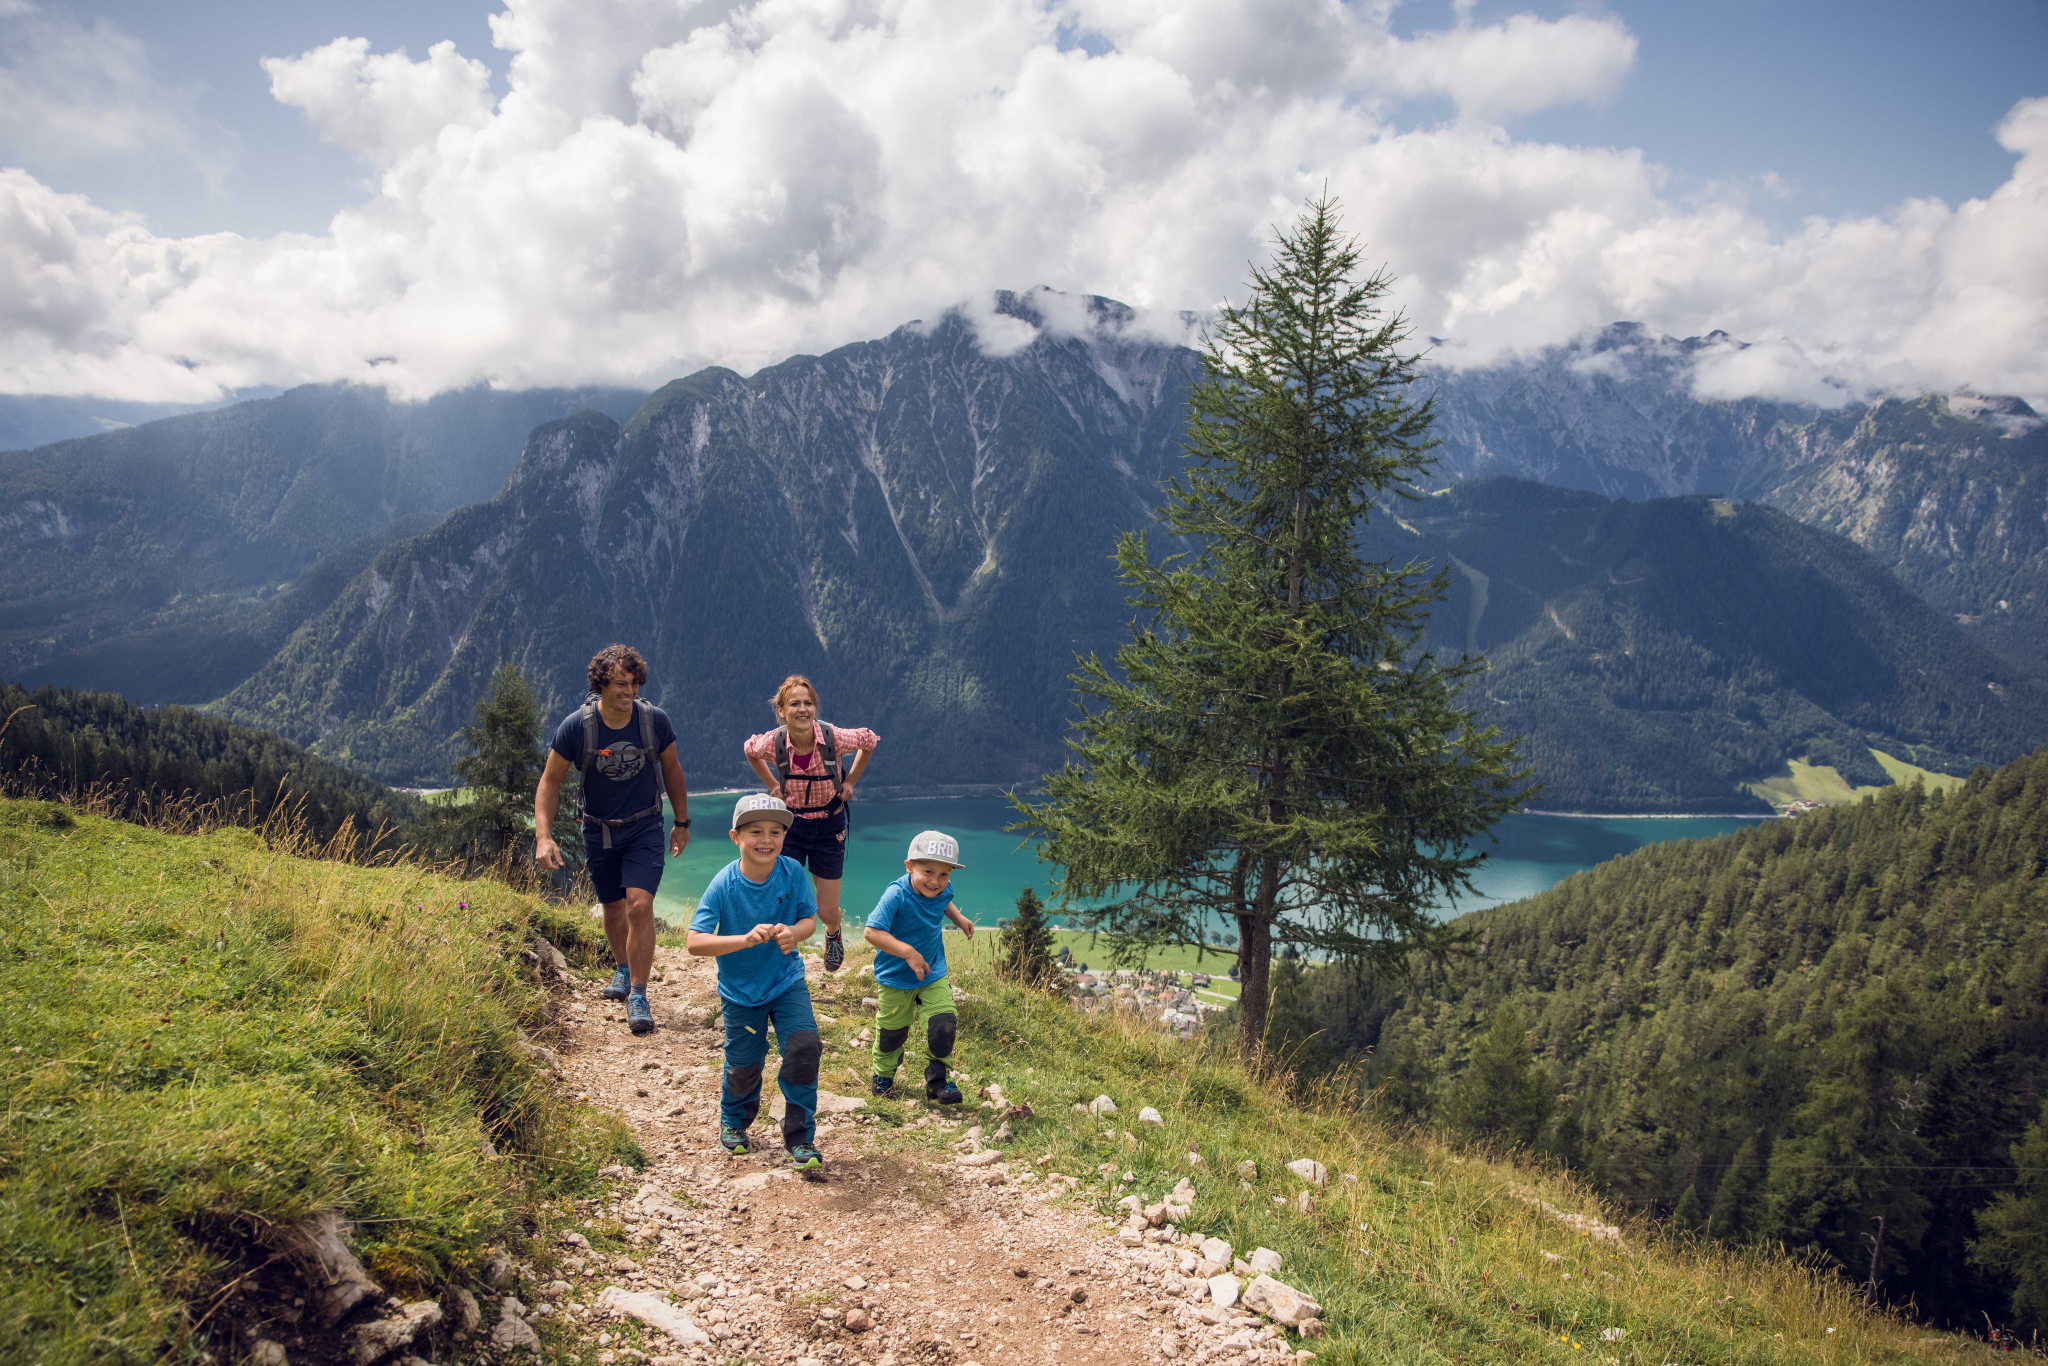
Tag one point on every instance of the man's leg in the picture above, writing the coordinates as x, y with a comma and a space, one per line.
746, 1050
629, 929
796, 1034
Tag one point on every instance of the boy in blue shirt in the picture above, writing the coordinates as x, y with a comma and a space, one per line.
751, 918
907, 929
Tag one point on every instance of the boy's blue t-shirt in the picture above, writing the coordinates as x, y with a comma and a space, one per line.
920, 922
734, 904
625, 777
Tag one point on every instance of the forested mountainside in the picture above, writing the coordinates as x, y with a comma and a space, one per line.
66, 741
1951, 496
1657, 656
1778, 1034
921, 526
168, 561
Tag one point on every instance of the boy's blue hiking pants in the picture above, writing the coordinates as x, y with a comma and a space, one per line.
746, 1054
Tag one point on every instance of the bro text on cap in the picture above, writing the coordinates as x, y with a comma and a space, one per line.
759, 806
936, 846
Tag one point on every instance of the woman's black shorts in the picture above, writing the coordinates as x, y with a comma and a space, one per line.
819, 845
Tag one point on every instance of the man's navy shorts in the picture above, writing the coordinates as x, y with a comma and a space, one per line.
819, 845
634, 860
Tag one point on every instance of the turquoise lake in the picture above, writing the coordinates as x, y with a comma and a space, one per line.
1533, 853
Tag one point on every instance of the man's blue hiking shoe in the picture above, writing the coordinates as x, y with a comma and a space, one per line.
882, 1086
804, 1157
621, 984
639, 1018
835, 952
732, 1140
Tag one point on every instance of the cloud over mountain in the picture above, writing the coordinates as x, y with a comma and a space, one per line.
661, 187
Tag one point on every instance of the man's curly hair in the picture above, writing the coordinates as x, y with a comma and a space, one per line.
621, 660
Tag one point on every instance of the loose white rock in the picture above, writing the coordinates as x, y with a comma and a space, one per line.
1247, 1170
1263, 1261
1280, 1302
1148, 1115
1309, 1170
1102, 1105
655, 1312
1216, 1250
1223, 1290
379, 1339
515, 1335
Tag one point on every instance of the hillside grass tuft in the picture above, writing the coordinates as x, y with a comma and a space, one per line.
1437, 1254
205, 1041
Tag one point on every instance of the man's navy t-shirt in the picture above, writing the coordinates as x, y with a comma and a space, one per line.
625, 778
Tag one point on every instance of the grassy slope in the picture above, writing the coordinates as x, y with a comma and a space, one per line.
341, 1037
1805, 782
1430, 1258
202, 1041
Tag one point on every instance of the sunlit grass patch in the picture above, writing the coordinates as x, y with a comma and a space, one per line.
205, 1040
1431, 1253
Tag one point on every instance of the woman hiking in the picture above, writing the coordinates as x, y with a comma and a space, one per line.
803, 761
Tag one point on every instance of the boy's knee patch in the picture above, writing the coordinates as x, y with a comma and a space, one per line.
892, 1040
743, 1081
800, 1055
939, 1034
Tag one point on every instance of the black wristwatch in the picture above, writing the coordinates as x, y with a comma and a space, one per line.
683, 824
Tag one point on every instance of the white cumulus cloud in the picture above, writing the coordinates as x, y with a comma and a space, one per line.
660, 187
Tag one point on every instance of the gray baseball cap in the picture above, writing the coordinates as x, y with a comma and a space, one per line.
760, 806
937, 846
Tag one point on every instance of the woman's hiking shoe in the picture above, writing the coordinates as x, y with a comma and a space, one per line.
638, 1017
804, 1157
621, 984
732, 1140
882, 1086
945, 1093
835, 952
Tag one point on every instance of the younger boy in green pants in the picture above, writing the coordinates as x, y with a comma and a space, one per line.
907, 929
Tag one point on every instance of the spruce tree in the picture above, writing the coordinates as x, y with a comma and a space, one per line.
1273, 747
1732, 1216
1847, 1179
1027, 944
499, 774
1690, 1213
2014, 1227
1503, 1093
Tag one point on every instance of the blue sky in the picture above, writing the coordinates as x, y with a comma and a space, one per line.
202, 198
1853, 106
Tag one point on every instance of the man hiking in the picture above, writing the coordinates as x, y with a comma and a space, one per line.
625, 750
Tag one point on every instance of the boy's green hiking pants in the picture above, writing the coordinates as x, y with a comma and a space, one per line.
902, 1009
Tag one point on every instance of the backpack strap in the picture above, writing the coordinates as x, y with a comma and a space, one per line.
828, 756
645, 712
782, 753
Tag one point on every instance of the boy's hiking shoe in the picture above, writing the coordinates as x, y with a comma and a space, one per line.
638, 1017
621, 984
804, 1157
882, 1086
732, 1140
835, 952
945, 1093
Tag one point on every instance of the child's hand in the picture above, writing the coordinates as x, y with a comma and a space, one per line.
967, 928
917, 963
785, 937
761, 933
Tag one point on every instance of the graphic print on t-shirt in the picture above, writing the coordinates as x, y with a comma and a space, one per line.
620, 761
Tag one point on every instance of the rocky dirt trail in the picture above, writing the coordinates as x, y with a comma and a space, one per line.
944, 1258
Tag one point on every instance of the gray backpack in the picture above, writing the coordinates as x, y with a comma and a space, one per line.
645, 715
